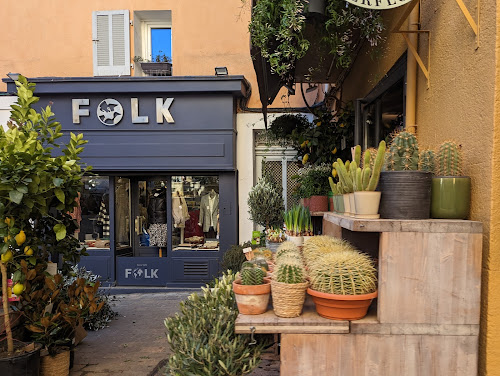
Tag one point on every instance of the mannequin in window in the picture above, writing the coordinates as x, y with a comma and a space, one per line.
157, 217
179, 212
209, 209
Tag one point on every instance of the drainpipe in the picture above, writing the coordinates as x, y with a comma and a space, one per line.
411, 73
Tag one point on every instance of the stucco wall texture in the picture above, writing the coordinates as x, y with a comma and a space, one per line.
54, 39
459, 105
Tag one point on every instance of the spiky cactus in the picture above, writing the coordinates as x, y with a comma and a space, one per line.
369, 158
247, 264
344, 175
252, 276
366, 179
449, 160
333, 186
403, 152
346, 272
290, 259
426, 160
290, 274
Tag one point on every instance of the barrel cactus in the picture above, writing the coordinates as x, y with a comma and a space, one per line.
403, 152
449, 160
426, 160
290, 274
252, 276
347, 272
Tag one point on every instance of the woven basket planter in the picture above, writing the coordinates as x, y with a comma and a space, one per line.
55, 365
288, 299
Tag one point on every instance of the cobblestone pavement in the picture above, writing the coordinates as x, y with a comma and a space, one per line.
135, 343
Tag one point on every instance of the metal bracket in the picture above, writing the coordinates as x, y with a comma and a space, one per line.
252, 339
411, 46
472, 23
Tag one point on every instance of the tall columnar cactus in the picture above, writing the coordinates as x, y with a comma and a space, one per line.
357, 155
290, 274
369, 158
252, 276
367, 178
333, 186
449, 160
346, 272
403, 152
344, 176
426, 160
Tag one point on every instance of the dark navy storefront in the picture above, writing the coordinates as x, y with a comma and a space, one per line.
147, 134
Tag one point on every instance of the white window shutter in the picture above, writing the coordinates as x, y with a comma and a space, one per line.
111, 39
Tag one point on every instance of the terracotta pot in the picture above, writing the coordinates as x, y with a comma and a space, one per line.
252, 299
318, 204
341, 307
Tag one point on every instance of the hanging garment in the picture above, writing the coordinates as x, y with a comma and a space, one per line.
157, 207
158, 235
209, 208
179, 211
104, 218
76, 214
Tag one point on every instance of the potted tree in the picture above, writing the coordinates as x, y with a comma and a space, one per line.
37, 190
343, 284
450, 190
252, 291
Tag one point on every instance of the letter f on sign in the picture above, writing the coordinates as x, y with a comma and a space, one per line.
162, 110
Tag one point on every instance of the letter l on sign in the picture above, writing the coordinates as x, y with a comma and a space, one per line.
162, 110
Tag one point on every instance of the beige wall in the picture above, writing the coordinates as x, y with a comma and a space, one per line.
53, 38
458, 105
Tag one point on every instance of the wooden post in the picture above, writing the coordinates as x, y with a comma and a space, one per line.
5, 300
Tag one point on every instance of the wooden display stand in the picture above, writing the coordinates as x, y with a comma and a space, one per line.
426, 320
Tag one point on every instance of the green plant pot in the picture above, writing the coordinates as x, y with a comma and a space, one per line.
450, 197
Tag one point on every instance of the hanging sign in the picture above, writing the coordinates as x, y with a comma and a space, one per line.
379, 4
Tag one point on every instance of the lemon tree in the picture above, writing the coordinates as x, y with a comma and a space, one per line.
40, 177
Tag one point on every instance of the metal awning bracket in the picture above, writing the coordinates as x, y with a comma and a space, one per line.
473, 24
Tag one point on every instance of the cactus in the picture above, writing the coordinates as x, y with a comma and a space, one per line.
320, 245
247, 264
344, 175
403, 152
449, 160
347, 272
290, 274
252, 276
261, 263
369, 158
290, 259
366, 179
426, 160
333, 186
357, 155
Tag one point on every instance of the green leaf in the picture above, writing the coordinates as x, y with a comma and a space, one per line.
22, 189
58, 181
59, 194
17, 275
32, 260
16, 196
60, 231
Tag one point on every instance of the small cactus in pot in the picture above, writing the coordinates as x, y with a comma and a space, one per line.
252, 291
449, 160
402, 154
426, 160
252, 276
290, 274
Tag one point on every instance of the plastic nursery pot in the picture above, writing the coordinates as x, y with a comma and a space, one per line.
252, 299
367, 204
318, 204
26, 364
341, 307
405, 194
347, 205
450, 197
352, 204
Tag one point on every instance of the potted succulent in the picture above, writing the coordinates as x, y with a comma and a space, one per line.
450, 190
288, 288
37, 190
337, 190
365, 181
252, 291
346, 184
158, 65
343, 285
406, 191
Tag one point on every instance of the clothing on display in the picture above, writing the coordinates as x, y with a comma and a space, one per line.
103, 217
157, 207
158, 235
209, 209
76, 214
179, 210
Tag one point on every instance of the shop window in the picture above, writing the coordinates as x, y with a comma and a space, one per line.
195, 213
92, 214
110, 36
122, 215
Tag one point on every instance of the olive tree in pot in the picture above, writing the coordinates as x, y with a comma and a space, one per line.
450, 190
406, 190
37, 190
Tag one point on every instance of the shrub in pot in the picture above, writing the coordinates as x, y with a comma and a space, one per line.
252, 291
450, 190
343, 285
406, 191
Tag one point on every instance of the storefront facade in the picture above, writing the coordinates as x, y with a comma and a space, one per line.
161, 203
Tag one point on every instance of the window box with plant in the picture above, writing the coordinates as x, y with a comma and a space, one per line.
159, 65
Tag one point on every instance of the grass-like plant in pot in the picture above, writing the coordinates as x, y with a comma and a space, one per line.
365, 181
406, 191
297, 221
252, 291
450, 189
343, 285
288, 287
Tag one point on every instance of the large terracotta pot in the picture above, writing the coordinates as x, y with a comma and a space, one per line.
341, 307
318, 204
252, 299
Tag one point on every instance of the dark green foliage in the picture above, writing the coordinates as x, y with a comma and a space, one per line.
202, 335
265, 203
234, 258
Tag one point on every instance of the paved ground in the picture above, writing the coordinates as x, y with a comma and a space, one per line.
135, 343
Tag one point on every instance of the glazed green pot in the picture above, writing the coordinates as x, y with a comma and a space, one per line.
450, 197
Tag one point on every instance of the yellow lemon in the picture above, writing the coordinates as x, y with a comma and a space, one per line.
342, 125
334, 173
6, 257
305, 158
334, 151
6, 238
18, 289
28, 251
303, 145
318, 123
20, 238
9, 221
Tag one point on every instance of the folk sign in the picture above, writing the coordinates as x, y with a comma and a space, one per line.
379, 4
